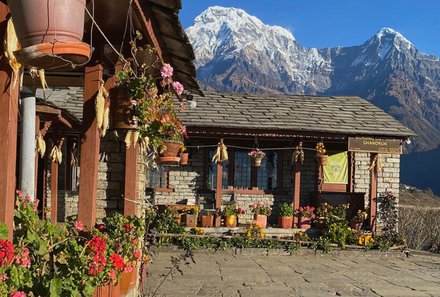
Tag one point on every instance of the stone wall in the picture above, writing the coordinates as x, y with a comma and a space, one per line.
362, 176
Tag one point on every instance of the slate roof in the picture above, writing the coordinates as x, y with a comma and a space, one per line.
338, 115
69, 99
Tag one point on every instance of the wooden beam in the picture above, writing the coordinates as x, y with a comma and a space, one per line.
37, 155
89, 148
54, 179
297, 183
219, 185
130, 191
373, 195
8, 130
47, 109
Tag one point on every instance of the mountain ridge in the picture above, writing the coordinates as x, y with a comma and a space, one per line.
236, 52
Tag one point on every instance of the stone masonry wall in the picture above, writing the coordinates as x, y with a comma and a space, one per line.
362, 164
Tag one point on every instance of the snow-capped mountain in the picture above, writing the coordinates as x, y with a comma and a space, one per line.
237, 52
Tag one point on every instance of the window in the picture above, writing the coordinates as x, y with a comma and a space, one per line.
267, 174
158, 178
212, 172
243, 175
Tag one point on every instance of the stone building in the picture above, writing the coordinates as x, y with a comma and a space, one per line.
363, 142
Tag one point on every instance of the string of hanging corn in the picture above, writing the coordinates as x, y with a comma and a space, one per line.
298, 156
132, 137
56, 155
102, 110
34, 72
221, 154
376, 164
40, 144
11, 44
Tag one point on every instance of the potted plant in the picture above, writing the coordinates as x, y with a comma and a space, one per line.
231, 212
305, 216
183, 156
48, 30
257, 156
190, 216
357, 221
322, 212
261, 209
321, 153
285, 219
206, 219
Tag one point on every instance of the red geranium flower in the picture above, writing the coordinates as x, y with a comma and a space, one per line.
98, 244
137, 254
128, 227
118, 262
6, 252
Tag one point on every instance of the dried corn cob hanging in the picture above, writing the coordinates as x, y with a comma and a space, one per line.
41, 144
221, 154
56, 155
12, 44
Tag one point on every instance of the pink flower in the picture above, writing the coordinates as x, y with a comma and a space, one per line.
78, 225
112, 274
28, 198
18, 294
135, 241
23, 258
3, 277
19, 193
137, 254
166, 71
128, 268
178, 87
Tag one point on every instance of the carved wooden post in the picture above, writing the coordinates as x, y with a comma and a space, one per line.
8, 130
89, 148
373, 195
297, 182
131, 168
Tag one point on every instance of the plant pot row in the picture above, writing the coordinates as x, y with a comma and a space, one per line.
126, 284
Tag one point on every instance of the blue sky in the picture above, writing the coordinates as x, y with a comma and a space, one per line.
328, 23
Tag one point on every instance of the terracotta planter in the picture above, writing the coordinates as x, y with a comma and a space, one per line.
207, 221
217, 221
261, 220
322, 159
127, 282
122, 114
355, 225
178, 218
169, 156
256, 161
285, 222
304, 223
57, 24
108, 290
190, 220
184, 158
231, 221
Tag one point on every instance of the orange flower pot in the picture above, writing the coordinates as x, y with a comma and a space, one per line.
231, 221
322, 159
190, 220
127, 282
304, 223
261, 220
207, 221
107, 290
285, 222
184, 158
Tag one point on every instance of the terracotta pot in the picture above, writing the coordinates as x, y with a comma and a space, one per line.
207, 221
355, 225
304, 223
261, 220
285, 222
217, 221
127, 282
172, 149
122, 114
53, 23
184, 158
190, 220
231, 221
178, 218
322, 159
256, 162
108, 290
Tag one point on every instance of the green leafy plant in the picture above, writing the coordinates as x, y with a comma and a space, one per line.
232, 210
286, 210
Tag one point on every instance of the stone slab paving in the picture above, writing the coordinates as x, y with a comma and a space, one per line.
254, 273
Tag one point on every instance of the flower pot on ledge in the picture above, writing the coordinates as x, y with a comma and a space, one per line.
322, 159
285, 222
304, 223
231, 221
184, 158
107, 290
190, 220
261, 220
50, 32
169, 155
128, 281
206, 221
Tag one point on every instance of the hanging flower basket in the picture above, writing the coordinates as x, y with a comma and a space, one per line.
322, 159
50, 31
122, 113
256, 156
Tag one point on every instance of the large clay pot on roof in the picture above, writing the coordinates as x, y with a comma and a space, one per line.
48, 30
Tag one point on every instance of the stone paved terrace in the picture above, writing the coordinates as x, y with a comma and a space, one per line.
253, 273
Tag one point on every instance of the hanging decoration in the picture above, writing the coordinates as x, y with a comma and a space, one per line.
10, 45
298, 156
376, 164
131, 138
321, 153
221, 155
41, 144
257, 157
34, 73
102, 110
56, 155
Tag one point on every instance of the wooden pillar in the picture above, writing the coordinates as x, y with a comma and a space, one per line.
297, 182
54, 180
37, 156
219, 185
131, 168
8, 130
373, 195
89, 148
